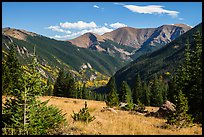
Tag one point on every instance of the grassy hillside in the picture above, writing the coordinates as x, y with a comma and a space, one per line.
108, 123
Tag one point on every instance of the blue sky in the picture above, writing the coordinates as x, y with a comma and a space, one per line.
67, 20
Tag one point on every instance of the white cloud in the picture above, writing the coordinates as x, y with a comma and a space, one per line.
151, 9
55, 28
95, 6
116, 3
58, 29
78, 25
117, 25
98, 30
105, 24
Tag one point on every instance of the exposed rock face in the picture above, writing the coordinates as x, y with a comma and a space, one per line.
163, 111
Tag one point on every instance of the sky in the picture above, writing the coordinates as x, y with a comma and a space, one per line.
68, 20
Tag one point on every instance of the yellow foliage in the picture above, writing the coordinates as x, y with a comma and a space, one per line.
167, 73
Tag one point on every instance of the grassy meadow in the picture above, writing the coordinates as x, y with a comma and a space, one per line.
109, 123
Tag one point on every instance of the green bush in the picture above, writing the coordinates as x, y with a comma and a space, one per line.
83, 115
139, 107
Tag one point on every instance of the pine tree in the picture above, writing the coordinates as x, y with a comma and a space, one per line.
126, 95
21, 113
195, 91
163, 88
156, 98
83, 115
188, 77
11, 71
84, 92
137, 90
70, 87
59, 86
180, 118
171, 89
146, 95
112, 97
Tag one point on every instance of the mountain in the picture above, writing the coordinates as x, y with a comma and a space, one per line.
146, 36
87, 39
129, 36
129, 43
160, 37
53, 54
165, 59
98, 43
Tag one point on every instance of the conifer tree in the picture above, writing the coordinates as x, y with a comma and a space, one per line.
84, 92
137, 90
21, 113
189, 77
112, 97
70, 88
146, 95
195, 91
180, 118
156, 98
126, 94
59, 86
11, 71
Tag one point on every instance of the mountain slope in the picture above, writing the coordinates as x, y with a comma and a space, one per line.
146, 36
129, 36
58, 54
99, 43
160, 37
166, 59
87, 40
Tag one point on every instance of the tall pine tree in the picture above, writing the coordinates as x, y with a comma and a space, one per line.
156, 98
126, 94
11, 71
112, 97
180, 118
137, 90
23, 114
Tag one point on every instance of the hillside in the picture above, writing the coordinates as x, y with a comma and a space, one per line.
108, 123
137, 38
99, 43
166, 59
53, 54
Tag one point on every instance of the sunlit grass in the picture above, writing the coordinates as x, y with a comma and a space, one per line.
121, 123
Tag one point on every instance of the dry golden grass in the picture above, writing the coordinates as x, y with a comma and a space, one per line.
108, 123
120, 123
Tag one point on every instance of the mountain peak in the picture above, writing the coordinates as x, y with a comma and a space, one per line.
86, 40
17, 33
181, 25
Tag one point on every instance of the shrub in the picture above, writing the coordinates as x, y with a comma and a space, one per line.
83, 115
139, 107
